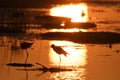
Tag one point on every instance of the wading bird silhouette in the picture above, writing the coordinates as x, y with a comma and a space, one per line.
59, 51
25, 46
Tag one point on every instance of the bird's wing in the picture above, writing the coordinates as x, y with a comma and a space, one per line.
59, 50
64, 52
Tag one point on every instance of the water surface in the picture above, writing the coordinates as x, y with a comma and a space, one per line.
88, 61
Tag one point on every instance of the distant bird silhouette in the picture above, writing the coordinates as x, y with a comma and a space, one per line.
82, 14
59, 50
25, 46
117, 51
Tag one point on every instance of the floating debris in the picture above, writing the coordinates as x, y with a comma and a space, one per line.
45, 69
104, 55
19, 65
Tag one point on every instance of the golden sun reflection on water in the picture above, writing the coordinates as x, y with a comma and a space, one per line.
75, 59
77, 12
65, 30
69, 30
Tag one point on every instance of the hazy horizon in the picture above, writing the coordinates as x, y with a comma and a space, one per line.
46, 3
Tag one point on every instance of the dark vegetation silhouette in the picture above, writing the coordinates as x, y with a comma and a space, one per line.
85, 37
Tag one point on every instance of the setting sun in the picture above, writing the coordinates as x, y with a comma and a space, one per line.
77, 12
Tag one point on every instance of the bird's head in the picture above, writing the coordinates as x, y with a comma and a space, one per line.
52, 45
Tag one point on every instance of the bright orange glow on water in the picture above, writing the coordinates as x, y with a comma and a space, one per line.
65, 30
78, 12
69, 30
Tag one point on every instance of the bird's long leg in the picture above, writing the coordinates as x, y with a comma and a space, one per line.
59, 64
27, 56
60, 60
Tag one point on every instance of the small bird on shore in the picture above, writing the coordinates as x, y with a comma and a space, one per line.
59, 50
